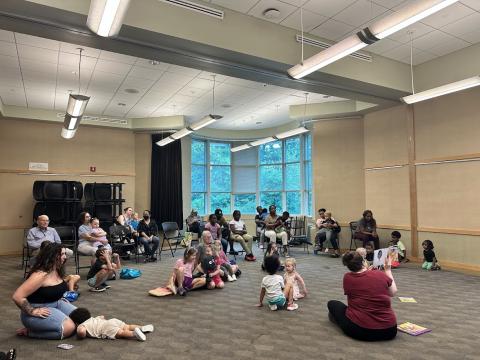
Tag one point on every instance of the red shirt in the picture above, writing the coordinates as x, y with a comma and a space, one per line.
368, 299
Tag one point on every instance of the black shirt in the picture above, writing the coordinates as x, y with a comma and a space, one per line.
149, 229
48, 294
428, 255
96, 267
369, 256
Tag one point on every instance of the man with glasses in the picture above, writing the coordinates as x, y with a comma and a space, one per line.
42, 232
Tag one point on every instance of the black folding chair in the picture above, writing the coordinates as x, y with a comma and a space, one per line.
298, 233
353, 230
26, 253
68, 236
171, 233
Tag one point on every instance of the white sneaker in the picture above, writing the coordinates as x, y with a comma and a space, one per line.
326, 250
139, 334
234, 277
260, 246
147, 328
230, 279
273, 307
292, 307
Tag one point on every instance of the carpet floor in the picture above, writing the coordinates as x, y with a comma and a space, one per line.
225, 324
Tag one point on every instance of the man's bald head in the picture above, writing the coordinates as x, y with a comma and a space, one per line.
42, 221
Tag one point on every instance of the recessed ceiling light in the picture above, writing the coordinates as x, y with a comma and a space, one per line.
154, 62
271, 14
131, 91
121, 104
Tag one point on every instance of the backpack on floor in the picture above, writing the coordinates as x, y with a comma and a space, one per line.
127, 273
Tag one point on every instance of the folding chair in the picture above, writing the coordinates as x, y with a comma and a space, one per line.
26, 253
171, 232
298, 233
353, 230
68, 236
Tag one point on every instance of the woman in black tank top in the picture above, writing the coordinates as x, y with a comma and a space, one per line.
44, 311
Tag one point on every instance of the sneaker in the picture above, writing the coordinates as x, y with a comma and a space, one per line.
326, 250
98, 289
147, 328
229, 278
250, 257
273, 307
335, 255
106, 286
233, 252
234, 277
181, 291
238, 273
152, 259
139, 334
292, 307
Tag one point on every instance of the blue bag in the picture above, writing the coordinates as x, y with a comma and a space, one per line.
127, 273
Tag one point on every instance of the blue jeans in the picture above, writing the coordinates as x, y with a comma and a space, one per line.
50, 327
150, 251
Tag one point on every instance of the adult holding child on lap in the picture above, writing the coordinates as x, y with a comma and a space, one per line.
369, 315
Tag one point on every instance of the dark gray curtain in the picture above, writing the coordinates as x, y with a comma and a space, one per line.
166, 182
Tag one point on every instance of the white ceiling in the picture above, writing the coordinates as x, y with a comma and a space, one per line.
451, 29
39, 73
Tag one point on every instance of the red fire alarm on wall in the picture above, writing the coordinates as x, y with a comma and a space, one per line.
93, 168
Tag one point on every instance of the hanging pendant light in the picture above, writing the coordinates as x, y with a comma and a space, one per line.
105, 17
75, 108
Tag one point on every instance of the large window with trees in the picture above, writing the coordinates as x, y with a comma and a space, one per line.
277, 173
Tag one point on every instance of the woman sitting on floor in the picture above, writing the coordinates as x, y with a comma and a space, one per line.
369, 315
44, 311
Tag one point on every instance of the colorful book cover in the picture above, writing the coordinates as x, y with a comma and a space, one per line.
413, 329
407, 299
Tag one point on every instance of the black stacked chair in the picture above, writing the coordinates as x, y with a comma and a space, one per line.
104, 201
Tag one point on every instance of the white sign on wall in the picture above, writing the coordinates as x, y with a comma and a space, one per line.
34, 166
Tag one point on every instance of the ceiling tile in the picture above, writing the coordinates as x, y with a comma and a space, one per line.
9, 62
448, 15
35, 79
240, 6
262, 5
209, 76
327, 7
432, 39
464, 25
419, 57
11, 79
8, 49
7, 36
183, 70
146, 64
192, 91
110, 56
40, 99
332, 30
37, 41
310, 20
360, 12
382, 46
112, 67
418, 29
146, 73
452, 45
474, 4
137, 83
472, 37
13, 96
390, 3
72, 61
104, 81
38, 66
35, 53
73, 49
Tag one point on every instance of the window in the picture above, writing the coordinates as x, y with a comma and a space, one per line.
276, 173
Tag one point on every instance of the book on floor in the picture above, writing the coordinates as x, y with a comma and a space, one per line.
413, 329
407, 299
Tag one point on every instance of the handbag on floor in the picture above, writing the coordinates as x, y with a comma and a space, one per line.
127, 273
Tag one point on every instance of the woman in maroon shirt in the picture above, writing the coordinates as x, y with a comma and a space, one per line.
369, 315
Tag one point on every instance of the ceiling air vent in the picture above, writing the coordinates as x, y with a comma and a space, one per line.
205, 10
99, 119
323, 45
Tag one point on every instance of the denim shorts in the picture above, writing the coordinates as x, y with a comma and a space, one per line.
92, 281
50, 327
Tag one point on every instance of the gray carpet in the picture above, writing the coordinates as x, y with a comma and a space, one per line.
225, 324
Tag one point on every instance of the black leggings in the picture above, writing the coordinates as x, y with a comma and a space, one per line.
337, 311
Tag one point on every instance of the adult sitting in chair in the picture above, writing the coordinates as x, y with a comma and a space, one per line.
239, 234
42, 232
262, 213
85, 239
369, 315
225, 231
148, 231
44, 311
194, 223
367, 230
328, 230
274, 228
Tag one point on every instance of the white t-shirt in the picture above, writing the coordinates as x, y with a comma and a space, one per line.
273, 285
238, 224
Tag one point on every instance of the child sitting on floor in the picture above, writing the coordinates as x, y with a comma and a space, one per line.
274, 289
211, 270
430, 261
101, 328
221, 259
292, 276
272, 249
103, 270
370, 253
402, 250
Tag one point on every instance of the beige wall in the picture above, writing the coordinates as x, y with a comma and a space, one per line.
112, 151
338, 161
143, 158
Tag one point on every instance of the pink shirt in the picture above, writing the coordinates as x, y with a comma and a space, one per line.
187, 267
213, 230
221, 258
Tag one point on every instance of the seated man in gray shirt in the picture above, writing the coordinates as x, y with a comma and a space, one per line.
42, 232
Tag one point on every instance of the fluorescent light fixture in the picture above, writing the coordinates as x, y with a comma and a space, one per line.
293, 132
400, 19
241, 147
77, 104
207, 120
105, 17
443, 90
181, 133
333, 53
262, 141
407, 15
68, 134
71, 123
165, 141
